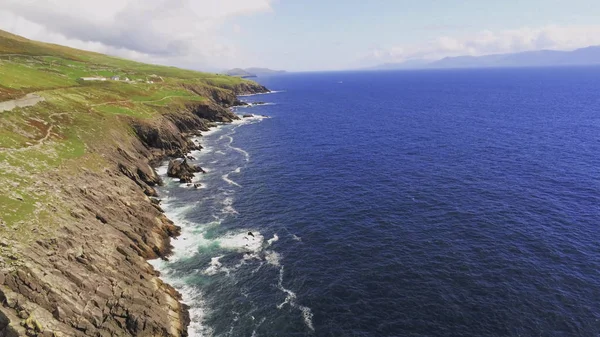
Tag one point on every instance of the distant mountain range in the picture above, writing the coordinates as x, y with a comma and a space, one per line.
540, 58
253, 72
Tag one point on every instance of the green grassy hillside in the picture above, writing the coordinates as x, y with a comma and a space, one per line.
27, 66
78, 118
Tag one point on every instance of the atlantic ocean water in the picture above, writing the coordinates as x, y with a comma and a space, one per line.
407, 203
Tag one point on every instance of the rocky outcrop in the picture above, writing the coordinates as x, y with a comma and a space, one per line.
168, 134
5, 328
227, 98
247, 88
88, 275
179, 168
91, 278
213, 112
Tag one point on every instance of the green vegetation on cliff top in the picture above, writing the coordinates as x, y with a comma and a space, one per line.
58, 135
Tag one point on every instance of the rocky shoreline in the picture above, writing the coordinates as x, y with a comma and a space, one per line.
91, 277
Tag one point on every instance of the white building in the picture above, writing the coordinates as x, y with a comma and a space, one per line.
93, 78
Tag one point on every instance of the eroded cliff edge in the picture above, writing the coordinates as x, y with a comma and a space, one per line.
85, 272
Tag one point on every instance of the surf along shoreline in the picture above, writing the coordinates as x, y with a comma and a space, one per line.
178, 168
248, 244
92, 276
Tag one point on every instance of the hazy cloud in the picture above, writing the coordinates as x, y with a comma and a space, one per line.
490, 42
183, 32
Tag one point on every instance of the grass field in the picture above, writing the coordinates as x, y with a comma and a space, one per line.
76, 116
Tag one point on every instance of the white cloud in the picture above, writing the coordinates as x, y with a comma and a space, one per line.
180, 32
237, 29
489, 42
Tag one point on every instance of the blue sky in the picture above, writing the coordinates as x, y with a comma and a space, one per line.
304, 35
332, 34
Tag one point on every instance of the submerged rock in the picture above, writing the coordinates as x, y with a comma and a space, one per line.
248, 116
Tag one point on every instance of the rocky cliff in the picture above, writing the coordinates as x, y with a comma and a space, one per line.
87, 274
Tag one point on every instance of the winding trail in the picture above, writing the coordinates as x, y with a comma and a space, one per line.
38, 142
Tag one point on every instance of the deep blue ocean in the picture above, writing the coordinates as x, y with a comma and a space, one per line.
407, 203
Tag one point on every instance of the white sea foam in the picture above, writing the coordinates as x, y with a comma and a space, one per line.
296, 237
192, 240
248, 120
229, 181
191, 296
250, 256
198, 153
252, 105
236, 148
162, 169
291, 296
263, 93
307, 315
275, 238
258, 268
246, 154
242, 241
216, 266
198, 311
211, 131
290, 299
228, 206
206, 149
186, 245
262, 320
273, 258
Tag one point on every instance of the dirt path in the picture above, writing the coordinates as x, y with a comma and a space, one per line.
38, 142
28, 100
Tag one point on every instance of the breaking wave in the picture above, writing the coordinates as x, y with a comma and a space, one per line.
205, 250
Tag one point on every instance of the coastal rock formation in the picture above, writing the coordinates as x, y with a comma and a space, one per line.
87, 274
179, 168
91, 277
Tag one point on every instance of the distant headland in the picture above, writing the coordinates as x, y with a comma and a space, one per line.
539, 58
252, 72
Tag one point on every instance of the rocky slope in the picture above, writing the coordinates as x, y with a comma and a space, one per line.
84, 272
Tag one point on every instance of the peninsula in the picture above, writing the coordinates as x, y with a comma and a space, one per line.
79, 135
253, 72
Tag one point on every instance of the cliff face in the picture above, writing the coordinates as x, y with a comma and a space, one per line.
227, 97
90, 276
